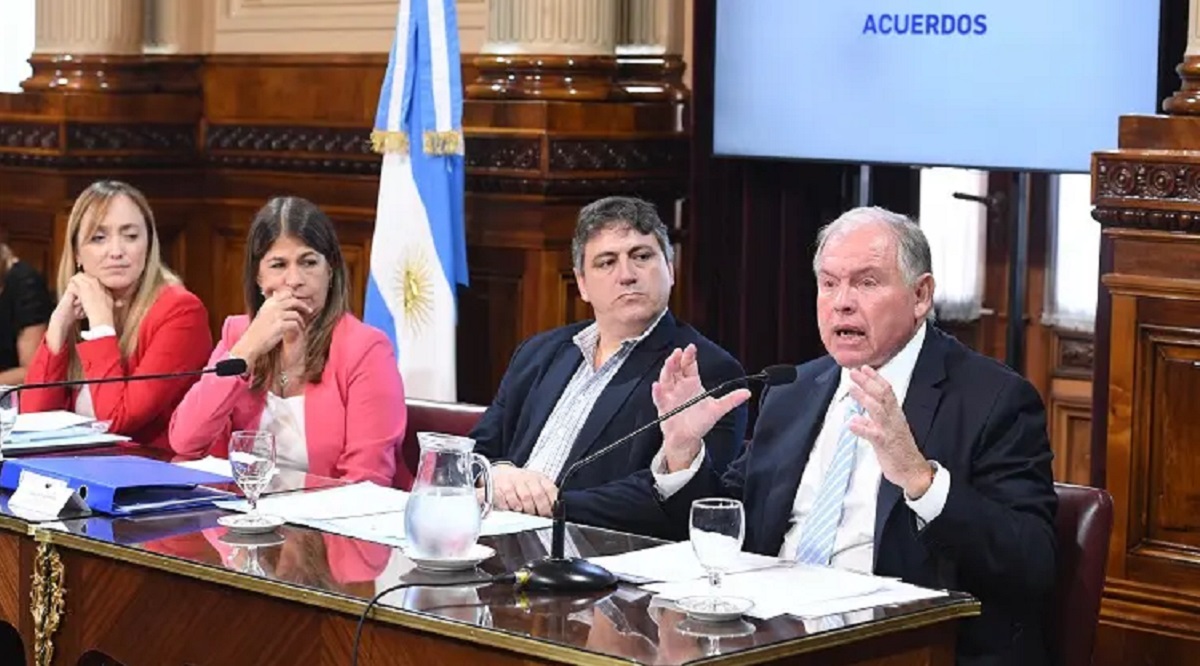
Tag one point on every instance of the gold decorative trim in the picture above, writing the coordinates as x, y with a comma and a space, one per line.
442, 143
22, 527
48, 601
383, 141
467, 632
334, 602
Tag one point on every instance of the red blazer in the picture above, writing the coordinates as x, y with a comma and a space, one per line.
353, 418
173, 337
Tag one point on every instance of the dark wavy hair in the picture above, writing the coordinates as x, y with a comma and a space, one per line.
302, 220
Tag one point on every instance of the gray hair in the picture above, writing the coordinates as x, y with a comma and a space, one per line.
613, 212
912, 248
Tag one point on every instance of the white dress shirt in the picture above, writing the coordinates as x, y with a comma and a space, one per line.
854, 542
83, 399
557, 438
83, 403
284, 417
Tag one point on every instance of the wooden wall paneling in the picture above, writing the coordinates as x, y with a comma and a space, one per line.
1146, 199
211, 139
1169, 381
29, 232
229, 246
1070, 414
544, 137
489, 319
1069, 404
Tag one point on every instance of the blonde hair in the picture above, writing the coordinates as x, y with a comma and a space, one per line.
87, 214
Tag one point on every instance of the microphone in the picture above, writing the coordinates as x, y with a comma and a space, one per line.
987, 201
557, 572
228, 367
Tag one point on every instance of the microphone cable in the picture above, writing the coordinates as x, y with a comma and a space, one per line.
490, 580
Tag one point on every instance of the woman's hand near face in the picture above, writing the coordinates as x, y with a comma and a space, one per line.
68, 311
280, 315
95, 299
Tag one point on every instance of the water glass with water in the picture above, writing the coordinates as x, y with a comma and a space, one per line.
717, 530
252, 457
8, 416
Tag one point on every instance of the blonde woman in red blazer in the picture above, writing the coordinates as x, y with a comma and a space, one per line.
120, 313
324, 382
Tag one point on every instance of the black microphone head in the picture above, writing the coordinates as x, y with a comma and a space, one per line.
775, 375
231, 367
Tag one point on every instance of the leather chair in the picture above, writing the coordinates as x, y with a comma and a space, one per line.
1083, 526
453, 418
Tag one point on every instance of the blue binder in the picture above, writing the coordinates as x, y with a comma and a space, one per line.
122, 485
144, 528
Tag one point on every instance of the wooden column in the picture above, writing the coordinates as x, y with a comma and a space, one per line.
1147, 197
1187, 100
650, 49
549, 127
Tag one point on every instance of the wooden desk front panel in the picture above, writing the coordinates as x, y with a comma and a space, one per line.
137, 615
141, 616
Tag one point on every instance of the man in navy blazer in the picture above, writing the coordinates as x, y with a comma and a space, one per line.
902, 452
570, 391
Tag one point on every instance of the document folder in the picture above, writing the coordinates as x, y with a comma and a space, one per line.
122, 485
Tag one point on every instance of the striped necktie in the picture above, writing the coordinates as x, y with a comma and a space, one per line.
821, 523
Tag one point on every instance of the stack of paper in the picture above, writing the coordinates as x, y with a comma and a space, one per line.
369, 512
801, 590
776, 586
50, 431
672, 562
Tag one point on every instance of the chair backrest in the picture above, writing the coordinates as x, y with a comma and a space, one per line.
1083, 525
454, 418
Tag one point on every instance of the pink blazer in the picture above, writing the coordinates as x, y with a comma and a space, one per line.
353, 418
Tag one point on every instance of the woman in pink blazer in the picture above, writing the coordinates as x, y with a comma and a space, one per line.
322, 381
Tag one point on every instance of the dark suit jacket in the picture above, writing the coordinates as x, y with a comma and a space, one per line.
995, 537
615, 491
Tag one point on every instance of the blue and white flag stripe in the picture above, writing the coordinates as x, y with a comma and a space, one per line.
418, 253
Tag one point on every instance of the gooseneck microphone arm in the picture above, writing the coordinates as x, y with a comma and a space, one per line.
557, 572
224, 368
558, 536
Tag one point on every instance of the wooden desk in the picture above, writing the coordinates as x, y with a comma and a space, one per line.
173, 589
16, 564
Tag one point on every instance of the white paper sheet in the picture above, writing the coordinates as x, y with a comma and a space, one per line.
673, 562
388, 528
893, 592
53, 420
89, 440
511, 522
369, 512
784, 589
210, 464
358, 499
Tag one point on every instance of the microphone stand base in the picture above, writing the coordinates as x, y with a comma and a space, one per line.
567, 575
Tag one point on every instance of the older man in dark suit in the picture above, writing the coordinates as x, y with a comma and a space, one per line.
901, 453
570, 391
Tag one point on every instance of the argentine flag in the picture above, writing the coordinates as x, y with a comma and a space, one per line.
418, 252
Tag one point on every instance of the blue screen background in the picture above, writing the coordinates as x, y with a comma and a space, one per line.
1040, 89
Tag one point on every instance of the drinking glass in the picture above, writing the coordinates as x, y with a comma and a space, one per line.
252, 457
717, 530
8, 416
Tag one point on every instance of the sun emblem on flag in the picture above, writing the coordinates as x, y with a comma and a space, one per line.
414, 289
